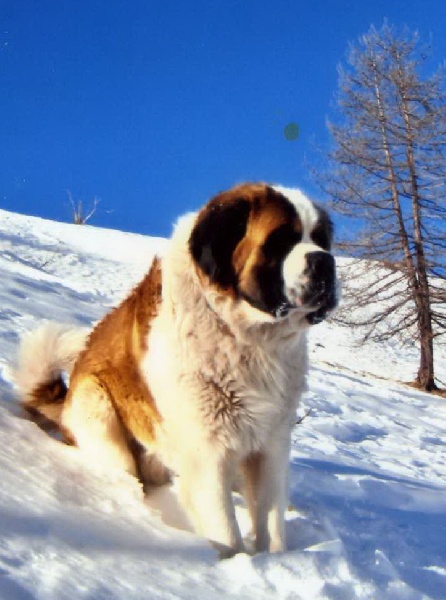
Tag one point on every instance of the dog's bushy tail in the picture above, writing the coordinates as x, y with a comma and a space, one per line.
45, 356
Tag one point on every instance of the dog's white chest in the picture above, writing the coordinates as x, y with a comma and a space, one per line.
218, 389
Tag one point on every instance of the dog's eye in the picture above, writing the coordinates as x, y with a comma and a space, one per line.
280, 242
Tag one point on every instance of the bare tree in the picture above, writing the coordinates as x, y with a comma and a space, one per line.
80, 217
387, 173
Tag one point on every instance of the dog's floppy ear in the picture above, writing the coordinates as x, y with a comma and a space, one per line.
220, 226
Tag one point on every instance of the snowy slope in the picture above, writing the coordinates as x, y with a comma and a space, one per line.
367, 518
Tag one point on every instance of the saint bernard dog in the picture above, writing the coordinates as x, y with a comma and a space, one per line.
198, 373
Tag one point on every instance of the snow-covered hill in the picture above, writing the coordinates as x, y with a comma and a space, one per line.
367, 518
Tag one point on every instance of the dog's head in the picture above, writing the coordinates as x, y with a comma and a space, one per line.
270, 248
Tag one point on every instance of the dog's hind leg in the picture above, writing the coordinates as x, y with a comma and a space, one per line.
91, 419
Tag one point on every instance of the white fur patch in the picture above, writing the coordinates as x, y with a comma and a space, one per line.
303, 205
45, 352
294, 267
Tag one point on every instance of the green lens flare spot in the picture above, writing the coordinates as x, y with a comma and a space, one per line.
291, 132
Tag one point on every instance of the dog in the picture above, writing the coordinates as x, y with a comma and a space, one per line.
199, 371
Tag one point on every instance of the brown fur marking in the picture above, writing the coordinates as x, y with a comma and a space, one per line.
44, 404
265, 217
113, 354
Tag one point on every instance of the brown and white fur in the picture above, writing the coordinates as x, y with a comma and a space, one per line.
199, 371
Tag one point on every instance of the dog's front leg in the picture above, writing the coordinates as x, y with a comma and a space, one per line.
206, 495
266, 489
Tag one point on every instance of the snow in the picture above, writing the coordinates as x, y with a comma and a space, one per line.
367, 515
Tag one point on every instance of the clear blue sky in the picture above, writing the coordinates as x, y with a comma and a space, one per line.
155, 106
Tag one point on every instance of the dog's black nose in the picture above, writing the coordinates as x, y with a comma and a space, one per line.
321, 266
320, 290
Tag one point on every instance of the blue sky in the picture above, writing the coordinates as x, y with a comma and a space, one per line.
155, 106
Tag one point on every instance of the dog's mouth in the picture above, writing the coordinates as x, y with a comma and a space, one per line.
283, 309
316, 309
313, 317
317, 316
322, 298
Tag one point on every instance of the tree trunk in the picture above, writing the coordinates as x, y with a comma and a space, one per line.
422, 297
425, 378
